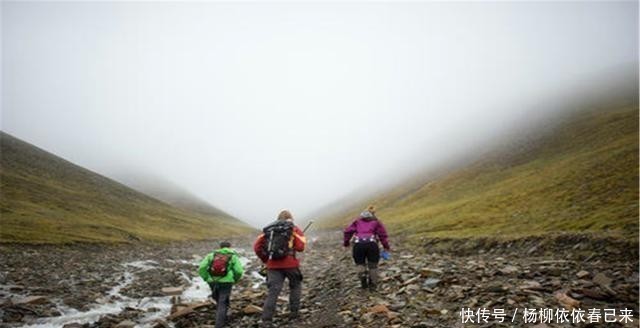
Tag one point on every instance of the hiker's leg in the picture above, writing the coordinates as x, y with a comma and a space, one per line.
373, 257
362, 274
275, 280
359, 256
373, 274
295, 290
214, 293
224, 292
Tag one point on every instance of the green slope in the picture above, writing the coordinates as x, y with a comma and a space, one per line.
580, 176
45, 199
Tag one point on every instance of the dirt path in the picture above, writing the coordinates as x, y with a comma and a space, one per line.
425, 287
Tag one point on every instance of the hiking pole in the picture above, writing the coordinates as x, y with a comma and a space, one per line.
307, 227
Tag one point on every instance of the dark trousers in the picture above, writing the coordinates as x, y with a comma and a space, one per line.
367, 255
221, 293
275, 282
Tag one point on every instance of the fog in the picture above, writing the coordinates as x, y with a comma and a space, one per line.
256, 107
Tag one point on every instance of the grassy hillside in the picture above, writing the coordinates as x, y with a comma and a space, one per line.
579, 176
45, 199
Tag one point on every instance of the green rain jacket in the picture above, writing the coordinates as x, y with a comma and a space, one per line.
234, 269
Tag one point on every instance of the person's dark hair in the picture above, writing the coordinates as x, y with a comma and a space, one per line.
225, 244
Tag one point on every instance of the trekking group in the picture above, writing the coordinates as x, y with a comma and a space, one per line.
276, 247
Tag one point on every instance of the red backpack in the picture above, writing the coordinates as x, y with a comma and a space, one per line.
219, 264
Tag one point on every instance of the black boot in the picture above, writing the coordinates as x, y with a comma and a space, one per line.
364, 283
373, 278
364, 277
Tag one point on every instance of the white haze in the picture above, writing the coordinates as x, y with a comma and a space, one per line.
256, 107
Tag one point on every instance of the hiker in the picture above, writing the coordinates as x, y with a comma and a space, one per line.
368, 230
221, 269
277, 247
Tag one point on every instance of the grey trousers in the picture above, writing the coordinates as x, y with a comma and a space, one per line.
275, 282
221, 293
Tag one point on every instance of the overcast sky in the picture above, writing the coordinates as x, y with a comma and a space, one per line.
256, 107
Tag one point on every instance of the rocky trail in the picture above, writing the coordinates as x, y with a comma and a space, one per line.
439, 284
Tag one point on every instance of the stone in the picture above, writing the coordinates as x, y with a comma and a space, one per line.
31, 300
509, 269
594, 294
602, 280
72, 325
582, 274
426, 272
126, 324
411, 280
540, 325
397, 306
180, 313
251, 309
172, 291
531, 285
430, 282
566, 300
380, 308
161, 324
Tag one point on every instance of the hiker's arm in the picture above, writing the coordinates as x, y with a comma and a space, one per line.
238, 270
348, 233
203, 271
299, 240
382, 235
258, 247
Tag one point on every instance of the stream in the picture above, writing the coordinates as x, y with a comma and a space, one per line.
154, 307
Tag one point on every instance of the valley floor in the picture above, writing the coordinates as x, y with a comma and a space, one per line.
435, 286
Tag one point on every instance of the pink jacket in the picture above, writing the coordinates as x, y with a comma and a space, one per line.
365, 228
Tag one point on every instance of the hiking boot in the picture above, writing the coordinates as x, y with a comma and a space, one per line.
267, 324
293, 315
364, 283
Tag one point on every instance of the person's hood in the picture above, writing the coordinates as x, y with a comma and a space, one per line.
367, 216
225, 250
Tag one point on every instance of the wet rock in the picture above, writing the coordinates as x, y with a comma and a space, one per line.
172, 291
126, 324
72, 325
160, 324
31, 300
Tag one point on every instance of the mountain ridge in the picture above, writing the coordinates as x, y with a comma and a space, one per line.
580, 175
47, 199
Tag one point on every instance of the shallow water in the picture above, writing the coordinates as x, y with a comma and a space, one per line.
115, 301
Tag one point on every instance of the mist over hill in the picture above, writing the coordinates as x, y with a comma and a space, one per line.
169, 192
577, 173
